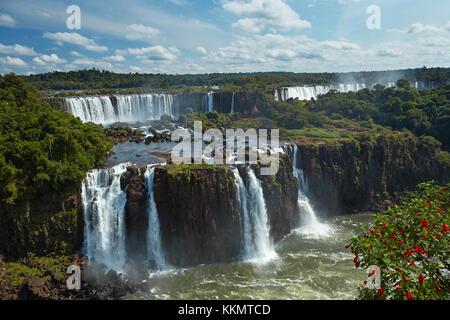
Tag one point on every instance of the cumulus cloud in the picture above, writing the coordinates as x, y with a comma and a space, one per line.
421, 28
91, 63
201, 50
12, 62
154, 53
76, 53
347, 1
140, 32
77, 39
388, 52
116, 58
258, 15
45, 60
17, 49
7, 21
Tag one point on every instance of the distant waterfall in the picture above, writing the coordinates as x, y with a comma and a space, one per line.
103, 204
307, 93
232, 104
257, 245
154, 246
128, 108
210, 101
309, 224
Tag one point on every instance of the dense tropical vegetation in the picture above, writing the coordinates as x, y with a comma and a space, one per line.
410, 244
42, 150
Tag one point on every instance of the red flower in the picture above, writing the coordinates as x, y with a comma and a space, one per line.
418, 214
380, 291
404, 278
422, 250
347, 246
399, 242
440, 196
445, 228
431, 205
443, 189
442, 211
409, 295
421, 277
408, 253
392, 236
424, 223
398, 287
411, 263
416, 248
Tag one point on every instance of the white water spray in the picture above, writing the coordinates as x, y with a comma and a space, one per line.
257, 245
309, 224
103, 204
154, 245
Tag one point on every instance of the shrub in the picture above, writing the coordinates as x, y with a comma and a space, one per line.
411, 245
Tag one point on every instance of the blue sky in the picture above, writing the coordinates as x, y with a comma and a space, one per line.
203, 36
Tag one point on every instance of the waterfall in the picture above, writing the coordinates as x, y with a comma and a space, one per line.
210, 101
242, 196
309, 224
307, 93
154, 246
129, 108
103, 205
257, 245
232, 104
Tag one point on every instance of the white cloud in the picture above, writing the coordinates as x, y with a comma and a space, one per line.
91, 63
76, 53
140, 32
77, 39
179, 2
347, 1
116, 58
17, 49
13, 62
389, 52
154, 53
421, 28
201, 50
135, 68
46, 60
259, 15
7, 21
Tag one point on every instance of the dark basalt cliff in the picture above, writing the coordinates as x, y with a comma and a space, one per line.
364, 176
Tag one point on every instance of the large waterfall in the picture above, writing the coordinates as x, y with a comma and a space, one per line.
257, 245
309, 224
154, 246
121, 108
309, 92
103, 204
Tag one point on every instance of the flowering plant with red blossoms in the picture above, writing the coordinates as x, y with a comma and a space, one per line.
411, 246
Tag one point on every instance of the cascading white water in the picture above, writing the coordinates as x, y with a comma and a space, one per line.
210, 101
154, 245
307, 93
232, 104
130, 108
103, 205
257, 245
242, 196
309, 224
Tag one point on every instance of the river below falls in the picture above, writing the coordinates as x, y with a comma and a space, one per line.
311, 264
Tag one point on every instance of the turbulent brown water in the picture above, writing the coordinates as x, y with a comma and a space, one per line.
311, 264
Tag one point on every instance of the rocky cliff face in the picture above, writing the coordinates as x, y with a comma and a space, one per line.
355, 177
52, 224
197, 213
